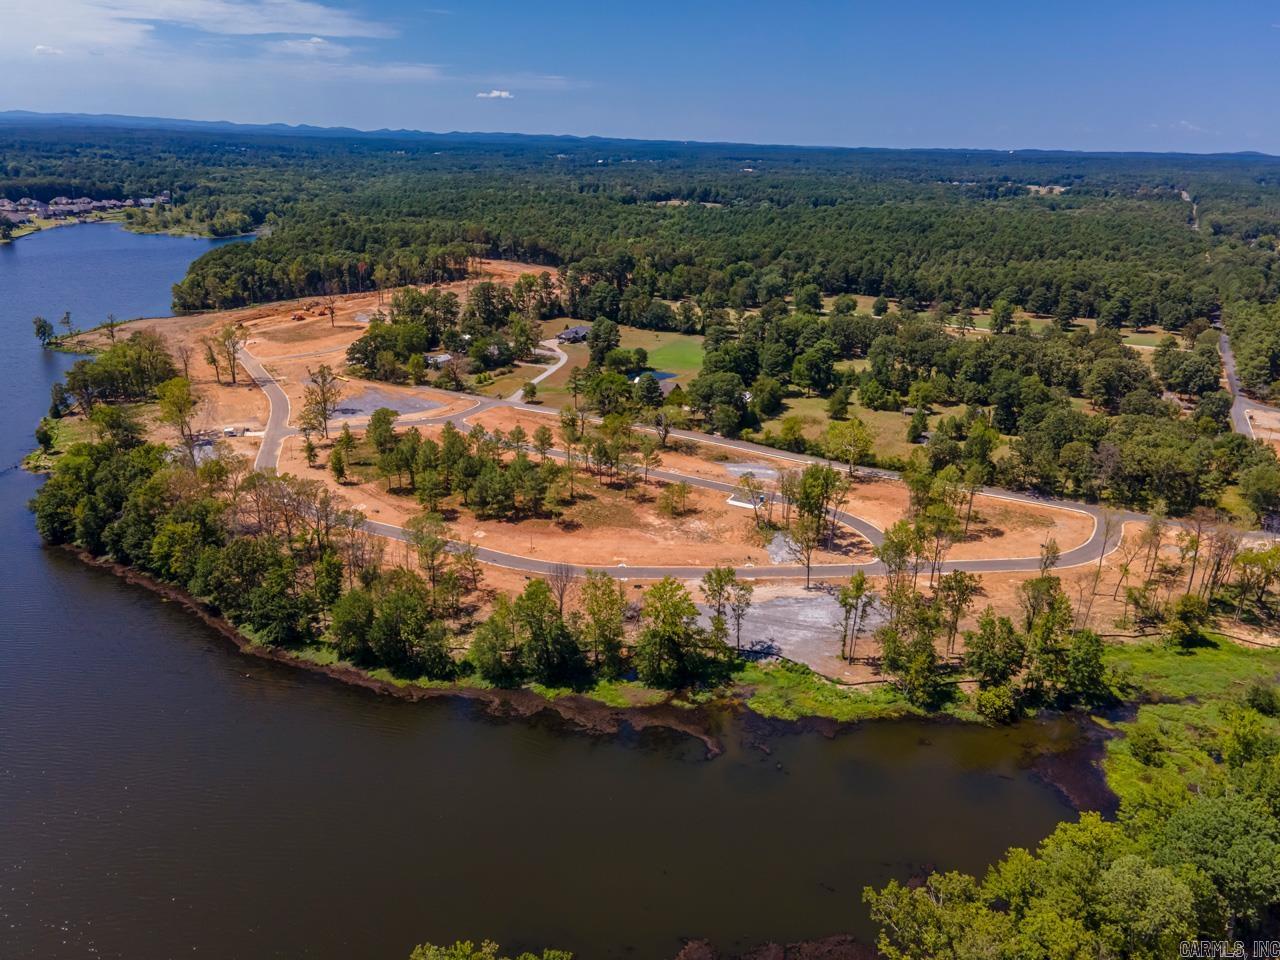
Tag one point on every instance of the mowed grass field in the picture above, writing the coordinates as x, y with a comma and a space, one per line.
676, 353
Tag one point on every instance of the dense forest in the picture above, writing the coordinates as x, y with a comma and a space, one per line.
727, 225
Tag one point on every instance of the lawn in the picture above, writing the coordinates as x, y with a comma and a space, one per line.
554, 390
677, 353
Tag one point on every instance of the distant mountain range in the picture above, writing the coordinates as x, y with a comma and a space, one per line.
30, 118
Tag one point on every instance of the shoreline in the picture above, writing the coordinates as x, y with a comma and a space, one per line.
124, 225
1074, 772
584, 713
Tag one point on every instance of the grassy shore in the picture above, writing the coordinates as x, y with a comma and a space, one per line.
1193, 712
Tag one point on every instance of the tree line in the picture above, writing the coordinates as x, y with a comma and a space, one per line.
1116, 245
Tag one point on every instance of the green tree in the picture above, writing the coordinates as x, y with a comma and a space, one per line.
382, 429
956, 593
45, 331
669, 635
855, 599
494, 647
351, 621
429, 536
548, 651
1236, 842
178, 405
848, 442
1001, 316
740, 595
605, 603
1185, 621
995, 651
1260, 488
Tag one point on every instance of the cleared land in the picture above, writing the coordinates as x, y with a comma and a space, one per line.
605, 524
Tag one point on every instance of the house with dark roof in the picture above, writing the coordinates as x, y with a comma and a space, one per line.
573, 334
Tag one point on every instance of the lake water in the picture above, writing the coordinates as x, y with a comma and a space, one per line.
163, 796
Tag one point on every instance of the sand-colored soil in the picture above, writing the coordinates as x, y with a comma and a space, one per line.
288, 336
1266, 427
608, 527
998, 527
605, 525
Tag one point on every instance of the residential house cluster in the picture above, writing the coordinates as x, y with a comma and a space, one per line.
60, 208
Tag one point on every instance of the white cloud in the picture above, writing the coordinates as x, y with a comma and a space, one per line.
121, 27
1188, 126
388, 72
317, 47
241, 59
243, 17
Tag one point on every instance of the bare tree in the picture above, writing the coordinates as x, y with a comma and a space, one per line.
1192, 540
1085, 593
1152, 538
211, 358
751, 490
1110, 524
1128, 550
1050, 554
560, 578
183, 351
1220, 554
802, 540
330, 300
468, 559
229, 340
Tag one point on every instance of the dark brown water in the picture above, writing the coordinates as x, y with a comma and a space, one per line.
162, 796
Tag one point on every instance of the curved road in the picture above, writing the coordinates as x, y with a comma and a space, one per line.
561, 359
1100, 541
1241, 406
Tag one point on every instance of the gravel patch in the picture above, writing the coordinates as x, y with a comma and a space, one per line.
370, 399
761, 471
803, 628
779, 548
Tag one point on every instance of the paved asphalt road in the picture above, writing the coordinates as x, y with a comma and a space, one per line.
1100, 540
561, 359
277, 419
1241, 405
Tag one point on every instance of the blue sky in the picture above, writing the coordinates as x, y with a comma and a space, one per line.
1120, 75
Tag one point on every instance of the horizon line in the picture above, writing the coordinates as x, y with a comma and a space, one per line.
305, 129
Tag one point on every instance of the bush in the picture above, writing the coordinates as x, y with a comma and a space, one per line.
1186, 616
1261, 696
1145, 743
996, 704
